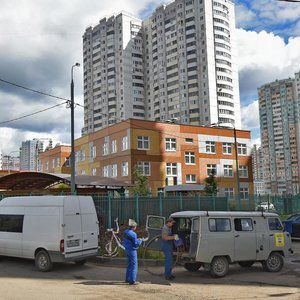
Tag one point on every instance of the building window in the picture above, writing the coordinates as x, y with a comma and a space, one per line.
93, 151
124, 143
210, 147
243, 171
113, 146
189, 140
242, 149
143, 142
105, 148
125, 168
144, 167
114, 170
94, 171
171, 169
227, 148
106, 171
211, 169
228, 171
229, 193
189, 158
170, 144
190, 178
244, 193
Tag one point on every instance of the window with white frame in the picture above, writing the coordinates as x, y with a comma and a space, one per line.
170, 144
124, 143
53, 163
227, 148
242, 149
189, 158
190, 178
80, 155
47, 165
144, 167
82, 172
143, 142
94, 171
93, 151
229, 193
105, 148
211, 169
243, 171
228, 171
210, 147
106, 171
125, 168
171, 169
113, 146
114, 170
244, 193
57, 161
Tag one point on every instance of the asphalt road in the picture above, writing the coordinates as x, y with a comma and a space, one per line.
20, 280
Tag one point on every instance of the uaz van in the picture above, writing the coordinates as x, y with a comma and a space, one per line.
49, 229
216, 239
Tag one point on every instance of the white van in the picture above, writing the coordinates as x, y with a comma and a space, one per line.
49, 229
214, 239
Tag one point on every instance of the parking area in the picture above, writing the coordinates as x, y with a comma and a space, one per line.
20, 280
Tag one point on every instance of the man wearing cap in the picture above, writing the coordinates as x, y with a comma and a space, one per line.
167, 244
131, 244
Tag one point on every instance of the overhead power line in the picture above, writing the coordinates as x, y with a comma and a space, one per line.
34, 113
32, 90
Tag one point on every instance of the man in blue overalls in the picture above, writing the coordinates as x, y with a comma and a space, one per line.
167, 245
131, 244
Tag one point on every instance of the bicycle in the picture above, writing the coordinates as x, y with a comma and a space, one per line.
113, 245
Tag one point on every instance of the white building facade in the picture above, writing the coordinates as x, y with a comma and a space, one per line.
179, 64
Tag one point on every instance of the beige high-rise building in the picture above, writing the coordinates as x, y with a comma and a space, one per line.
280, 135
177, 65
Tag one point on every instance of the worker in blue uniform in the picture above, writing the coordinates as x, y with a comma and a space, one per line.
131, 244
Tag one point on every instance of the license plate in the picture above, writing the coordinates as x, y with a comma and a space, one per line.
72, 243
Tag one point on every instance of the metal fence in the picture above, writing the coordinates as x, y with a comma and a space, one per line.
137, 207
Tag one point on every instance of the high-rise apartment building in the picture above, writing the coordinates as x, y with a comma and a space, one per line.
29, 152
178, 64
279, 124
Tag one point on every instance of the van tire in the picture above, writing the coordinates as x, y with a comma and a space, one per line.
274, 263
246, 264
43, 261
192, 267
219, 266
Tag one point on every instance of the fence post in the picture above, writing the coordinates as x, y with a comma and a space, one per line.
199, 202
109, 210
137, 217
214, 202
160, 204
180, 197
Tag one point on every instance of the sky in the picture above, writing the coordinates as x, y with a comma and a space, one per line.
41, 40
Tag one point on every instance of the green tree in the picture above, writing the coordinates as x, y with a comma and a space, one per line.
211, 186
140, 183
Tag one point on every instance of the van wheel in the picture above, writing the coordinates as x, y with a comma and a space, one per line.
80, 262
274, 263
219, 266
43, 261
246, 264
192, 267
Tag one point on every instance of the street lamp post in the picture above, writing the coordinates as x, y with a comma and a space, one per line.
72, 158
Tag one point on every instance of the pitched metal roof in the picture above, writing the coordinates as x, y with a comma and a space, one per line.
40, 180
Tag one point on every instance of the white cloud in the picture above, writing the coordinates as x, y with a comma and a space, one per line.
250, 116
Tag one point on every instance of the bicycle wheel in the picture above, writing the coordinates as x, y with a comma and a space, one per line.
153, 256
111, 248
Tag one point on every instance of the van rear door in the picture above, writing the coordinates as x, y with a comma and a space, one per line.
73, 240
154, 225
90, 226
